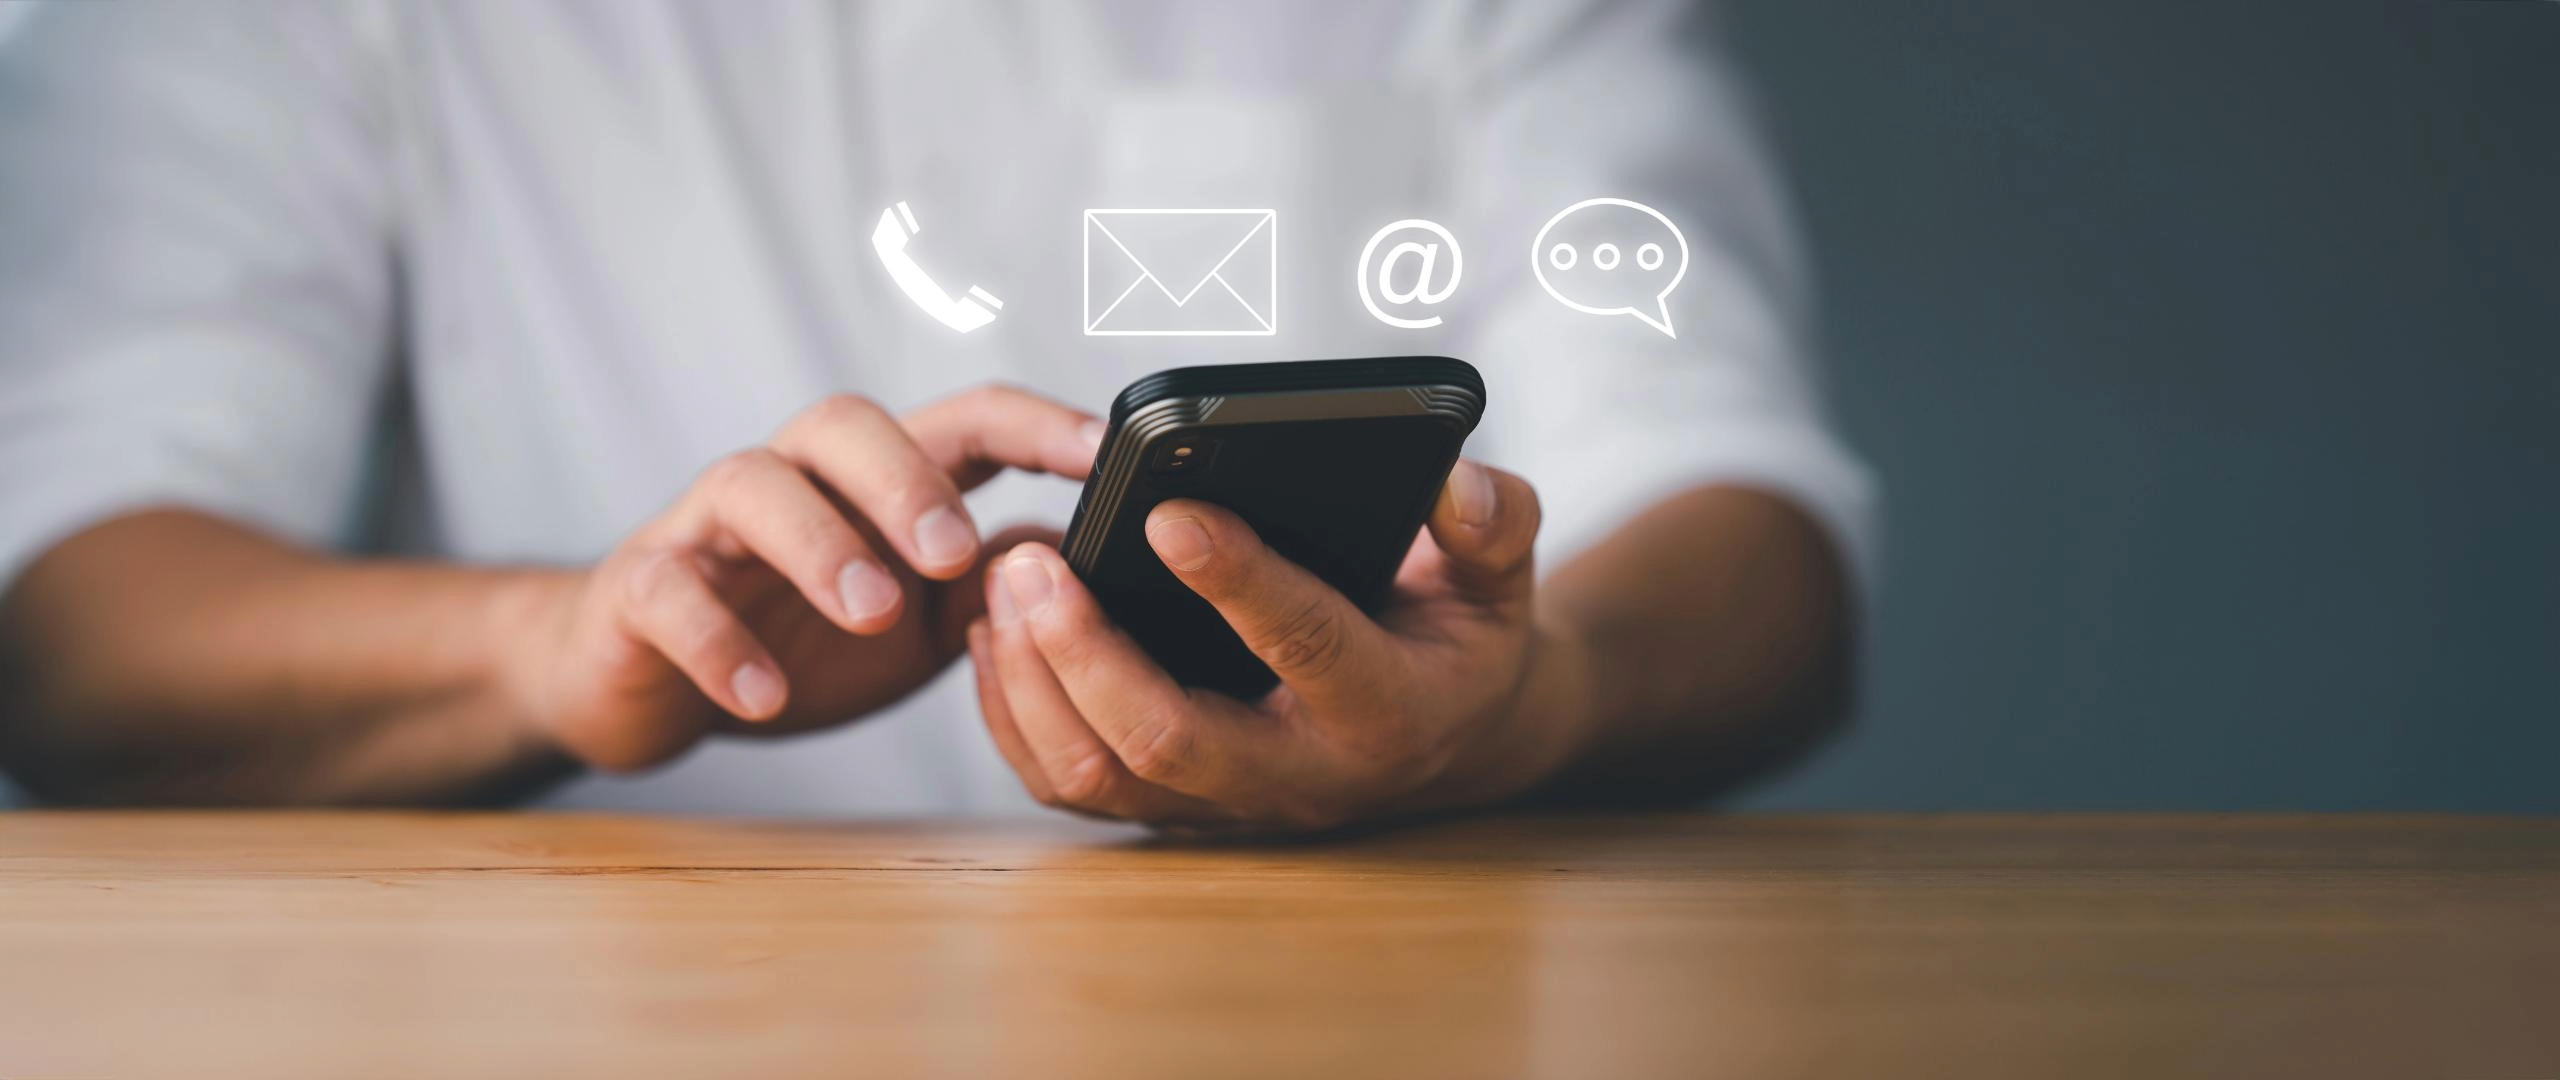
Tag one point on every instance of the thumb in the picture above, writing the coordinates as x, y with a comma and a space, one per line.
1313, 637
963, 600
1486, 527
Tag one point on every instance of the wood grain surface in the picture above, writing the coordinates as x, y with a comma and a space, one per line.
341, 945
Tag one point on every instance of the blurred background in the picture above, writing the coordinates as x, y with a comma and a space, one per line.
2207, 353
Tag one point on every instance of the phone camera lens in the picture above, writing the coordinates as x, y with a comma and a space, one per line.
1187, 455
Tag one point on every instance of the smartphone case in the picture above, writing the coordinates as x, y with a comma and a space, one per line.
1334, 463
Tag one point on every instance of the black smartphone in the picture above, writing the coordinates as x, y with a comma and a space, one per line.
1335, 464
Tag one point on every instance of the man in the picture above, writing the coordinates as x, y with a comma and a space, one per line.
565, 314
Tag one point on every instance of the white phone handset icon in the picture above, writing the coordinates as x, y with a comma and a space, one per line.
966, 312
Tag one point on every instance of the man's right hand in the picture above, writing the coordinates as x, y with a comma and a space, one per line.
802, 583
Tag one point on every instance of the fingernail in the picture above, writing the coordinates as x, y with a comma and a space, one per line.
867, 589
1000, 609
1181, 543
943, 537
759, 690
1471, 493
1027, 578
1092, 433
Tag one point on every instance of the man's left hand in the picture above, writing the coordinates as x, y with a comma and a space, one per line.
1452, 696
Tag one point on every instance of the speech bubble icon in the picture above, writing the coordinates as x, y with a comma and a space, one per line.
1612, 257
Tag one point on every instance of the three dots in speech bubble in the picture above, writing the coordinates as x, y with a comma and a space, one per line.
1603, 283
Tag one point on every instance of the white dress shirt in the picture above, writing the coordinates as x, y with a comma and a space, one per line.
500, 278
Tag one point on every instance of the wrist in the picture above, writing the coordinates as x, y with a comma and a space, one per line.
1562, 710
1548, 721
438, 694
526, 623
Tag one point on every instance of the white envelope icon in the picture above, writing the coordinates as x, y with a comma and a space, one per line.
1181, 273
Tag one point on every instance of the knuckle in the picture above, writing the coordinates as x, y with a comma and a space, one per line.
704, 634
1161, 749
1087, 782
1306, 641
992, 394
828, 539
652, 574
835, 409
736, 470
832, 413
1069, 641
1066, 634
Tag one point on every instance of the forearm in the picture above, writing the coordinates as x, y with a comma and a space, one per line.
1702, 643
170, 657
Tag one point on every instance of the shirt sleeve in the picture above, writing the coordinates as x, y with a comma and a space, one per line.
1605, 414
195, 267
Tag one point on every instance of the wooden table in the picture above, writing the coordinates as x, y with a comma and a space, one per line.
348, 945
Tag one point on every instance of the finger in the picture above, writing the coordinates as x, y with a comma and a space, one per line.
862, 453
1083, 772
1000, 725
1486, 527
981, 432
672, 607
1202, 744
964, 600
772, 509
1313, 638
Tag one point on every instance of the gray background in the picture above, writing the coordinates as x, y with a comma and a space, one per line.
2207, 352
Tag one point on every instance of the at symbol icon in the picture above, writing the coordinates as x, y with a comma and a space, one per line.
1426, 258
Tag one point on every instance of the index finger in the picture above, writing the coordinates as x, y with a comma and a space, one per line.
875, 464
978, 433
